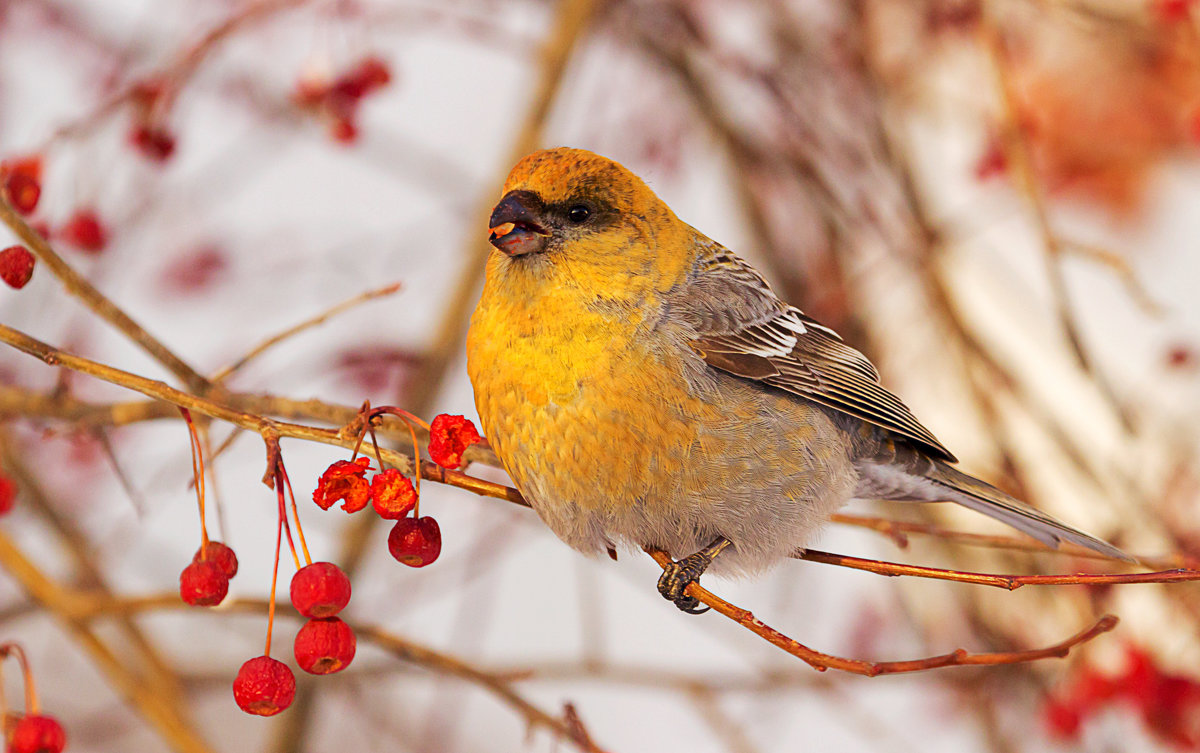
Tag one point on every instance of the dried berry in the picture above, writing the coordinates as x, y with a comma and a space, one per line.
449, 437
264, 686
320, 590
155, 142
344, 480
37, 733
324, 646
203, 584
16, 266
8, 494
392, 494
415, 542
85, 231
222, 555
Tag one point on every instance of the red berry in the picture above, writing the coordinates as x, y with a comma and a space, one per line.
196, 270
324, 646
85, 231
222, 555
22, 182
343, 130
370, 74
36, 733
264, 686
8, 494
155, 142
344, 480
392, 494
320, 590
203, 584
23, 192
415, 542
449, 437
16, 266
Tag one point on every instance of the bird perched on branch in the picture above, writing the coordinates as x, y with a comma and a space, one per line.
643, 385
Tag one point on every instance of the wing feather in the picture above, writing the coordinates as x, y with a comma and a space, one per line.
742, 328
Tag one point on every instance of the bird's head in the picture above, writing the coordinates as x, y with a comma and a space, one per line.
574, 206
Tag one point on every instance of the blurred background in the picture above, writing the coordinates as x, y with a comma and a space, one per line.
997, 200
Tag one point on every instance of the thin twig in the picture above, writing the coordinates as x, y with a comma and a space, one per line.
77, 286
898, 530
822, 662
157, 708
93, 606
1019, 150
1010, 582
296, 329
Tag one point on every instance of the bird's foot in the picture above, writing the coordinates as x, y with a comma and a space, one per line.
678, 575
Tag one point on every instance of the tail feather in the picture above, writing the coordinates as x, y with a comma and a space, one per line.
980, 496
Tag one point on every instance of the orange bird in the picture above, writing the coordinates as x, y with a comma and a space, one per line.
644, 386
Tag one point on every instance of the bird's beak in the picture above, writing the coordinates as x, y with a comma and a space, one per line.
514, 224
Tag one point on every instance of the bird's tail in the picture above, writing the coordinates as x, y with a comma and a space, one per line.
980, 496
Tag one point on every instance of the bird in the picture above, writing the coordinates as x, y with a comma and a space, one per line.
643, 386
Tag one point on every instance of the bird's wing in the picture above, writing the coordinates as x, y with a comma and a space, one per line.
744, 329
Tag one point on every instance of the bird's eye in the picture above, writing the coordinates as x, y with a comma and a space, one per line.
578, 214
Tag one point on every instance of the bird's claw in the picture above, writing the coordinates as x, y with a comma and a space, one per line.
676, 577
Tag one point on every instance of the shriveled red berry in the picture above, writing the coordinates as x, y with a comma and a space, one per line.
8, 493
264, 686
16, 266
155, 142
85, 231
415, 542
392, 494
320, 590
203, 584
449, 437
37, 733
222, 555
324, 646
344, 480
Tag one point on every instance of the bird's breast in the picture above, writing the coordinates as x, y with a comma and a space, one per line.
578, 405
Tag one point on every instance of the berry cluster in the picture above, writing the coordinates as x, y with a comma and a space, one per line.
321, 590
415, 541
324, 644
21, 186
205, 582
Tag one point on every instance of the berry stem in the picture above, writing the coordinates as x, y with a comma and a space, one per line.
283, 519
296, 515
409, 419
198, 476
31, 696
401, 413
274, 582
